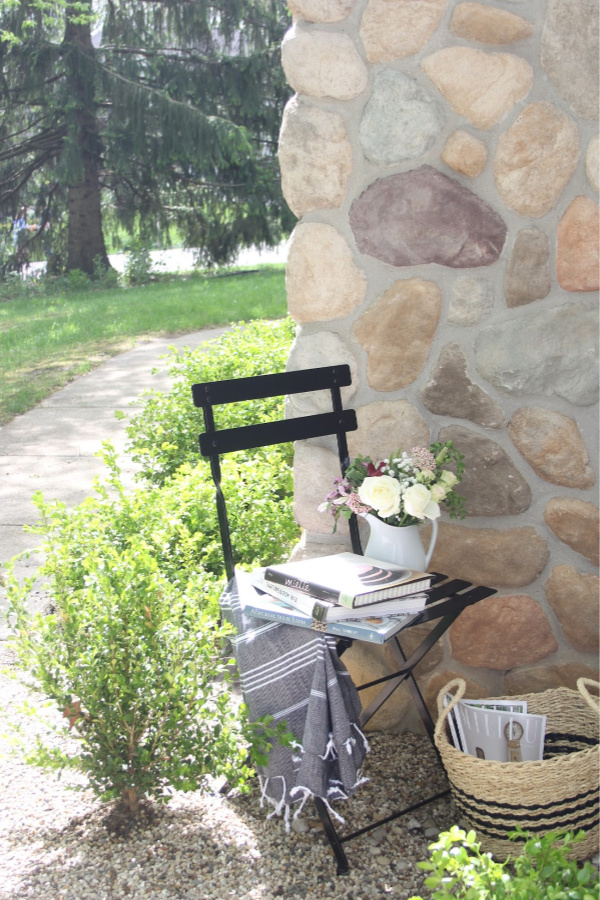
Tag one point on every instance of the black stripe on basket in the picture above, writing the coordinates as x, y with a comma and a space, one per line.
577, 816
485, 827
557, 744
591, 798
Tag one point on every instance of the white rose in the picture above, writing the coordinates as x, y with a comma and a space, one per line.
448, 478
418, 502
438, 492
381, 492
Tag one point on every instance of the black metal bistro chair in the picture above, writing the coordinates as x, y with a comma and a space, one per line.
446, 598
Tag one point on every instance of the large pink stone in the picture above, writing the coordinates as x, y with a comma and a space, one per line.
423, 216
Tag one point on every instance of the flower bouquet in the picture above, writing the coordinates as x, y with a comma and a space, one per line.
401, 491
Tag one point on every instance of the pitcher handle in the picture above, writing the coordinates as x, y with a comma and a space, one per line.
433, 539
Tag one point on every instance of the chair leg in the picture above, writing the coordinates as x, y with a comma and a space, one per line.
342, 862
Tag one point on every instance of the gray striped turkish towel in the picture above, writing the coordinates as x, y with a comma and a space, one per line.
295, 675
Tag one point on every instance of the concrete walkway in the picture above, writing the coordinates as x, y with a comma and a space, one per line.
52, 447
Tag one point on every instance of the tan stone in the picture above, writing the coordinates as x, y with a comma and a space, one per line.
437, 682
386, 425
502, 632
545, 678
322, 280
392, 29
368, 662
592, 164
574, 599
552, 445
488, 24
535, 159
321, 10
575, 523
509, 558
309, 351
315, 157
323, 64
397, 332
483, 87
314, 471
528, 270
577, 246
465, 153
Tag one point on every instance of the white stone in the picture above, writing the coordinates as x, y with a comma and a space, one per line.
472, 299
591, 163
321, 10
315, 157
310, 351
385, 426
323, 64
322, 280
315, 469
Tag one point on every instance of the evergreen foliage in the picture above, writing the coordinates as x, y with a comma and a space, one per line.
160, 117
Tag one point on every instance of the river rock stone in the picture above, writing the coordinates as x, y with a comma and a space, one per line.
511, 558
325, 348
548, 351
535, 159
488, 24
491, 484
400, 121
367, 662
392, 29
423, 216
577, 246
325, 11
323, 64
552, 445
397, 332
450, 392
322, 280
439, 680
472, 299
386, 425
314, 471
569, 53
575, 523
315, 157
545, 678
528, 270
465, 153
573, 597
481, 86
592, 165
502, 632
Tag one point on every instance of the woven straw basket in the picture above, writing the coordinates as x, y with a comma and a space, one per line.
559, 792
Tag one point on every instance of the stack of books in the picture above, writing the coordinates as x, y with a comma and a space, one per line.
344, 594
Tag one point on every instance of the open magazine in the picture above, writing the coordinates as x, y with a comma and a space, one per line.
500, 730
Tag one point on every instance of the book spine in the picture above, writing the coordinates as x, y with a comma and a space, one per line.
301, 586
347, 629
306, 604
276, 615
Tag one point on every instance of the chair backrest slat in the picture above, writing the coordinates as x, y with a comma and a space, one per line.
280, 432
258, 387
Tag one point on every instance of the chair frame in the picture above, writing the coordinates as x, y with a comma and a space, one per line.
447, 598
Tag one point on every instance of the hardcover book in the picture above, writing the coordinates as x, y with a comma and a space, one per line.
376, 629
327, 611
348, 579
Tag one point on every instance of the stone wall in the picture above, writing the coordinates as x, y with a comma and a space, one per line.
442, 159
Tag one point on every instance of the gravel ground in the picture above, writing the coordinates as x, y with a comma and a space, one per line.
54, 843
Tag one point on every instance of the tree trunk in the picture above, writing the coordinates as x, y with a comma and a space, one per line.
85, 240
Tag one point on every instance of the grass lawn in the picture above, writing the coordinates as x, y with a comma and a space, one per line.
46, 340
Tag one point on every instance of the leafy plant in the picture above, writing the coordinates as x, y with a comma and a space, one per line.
132, 652
138, 264
460, 871
163, 436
